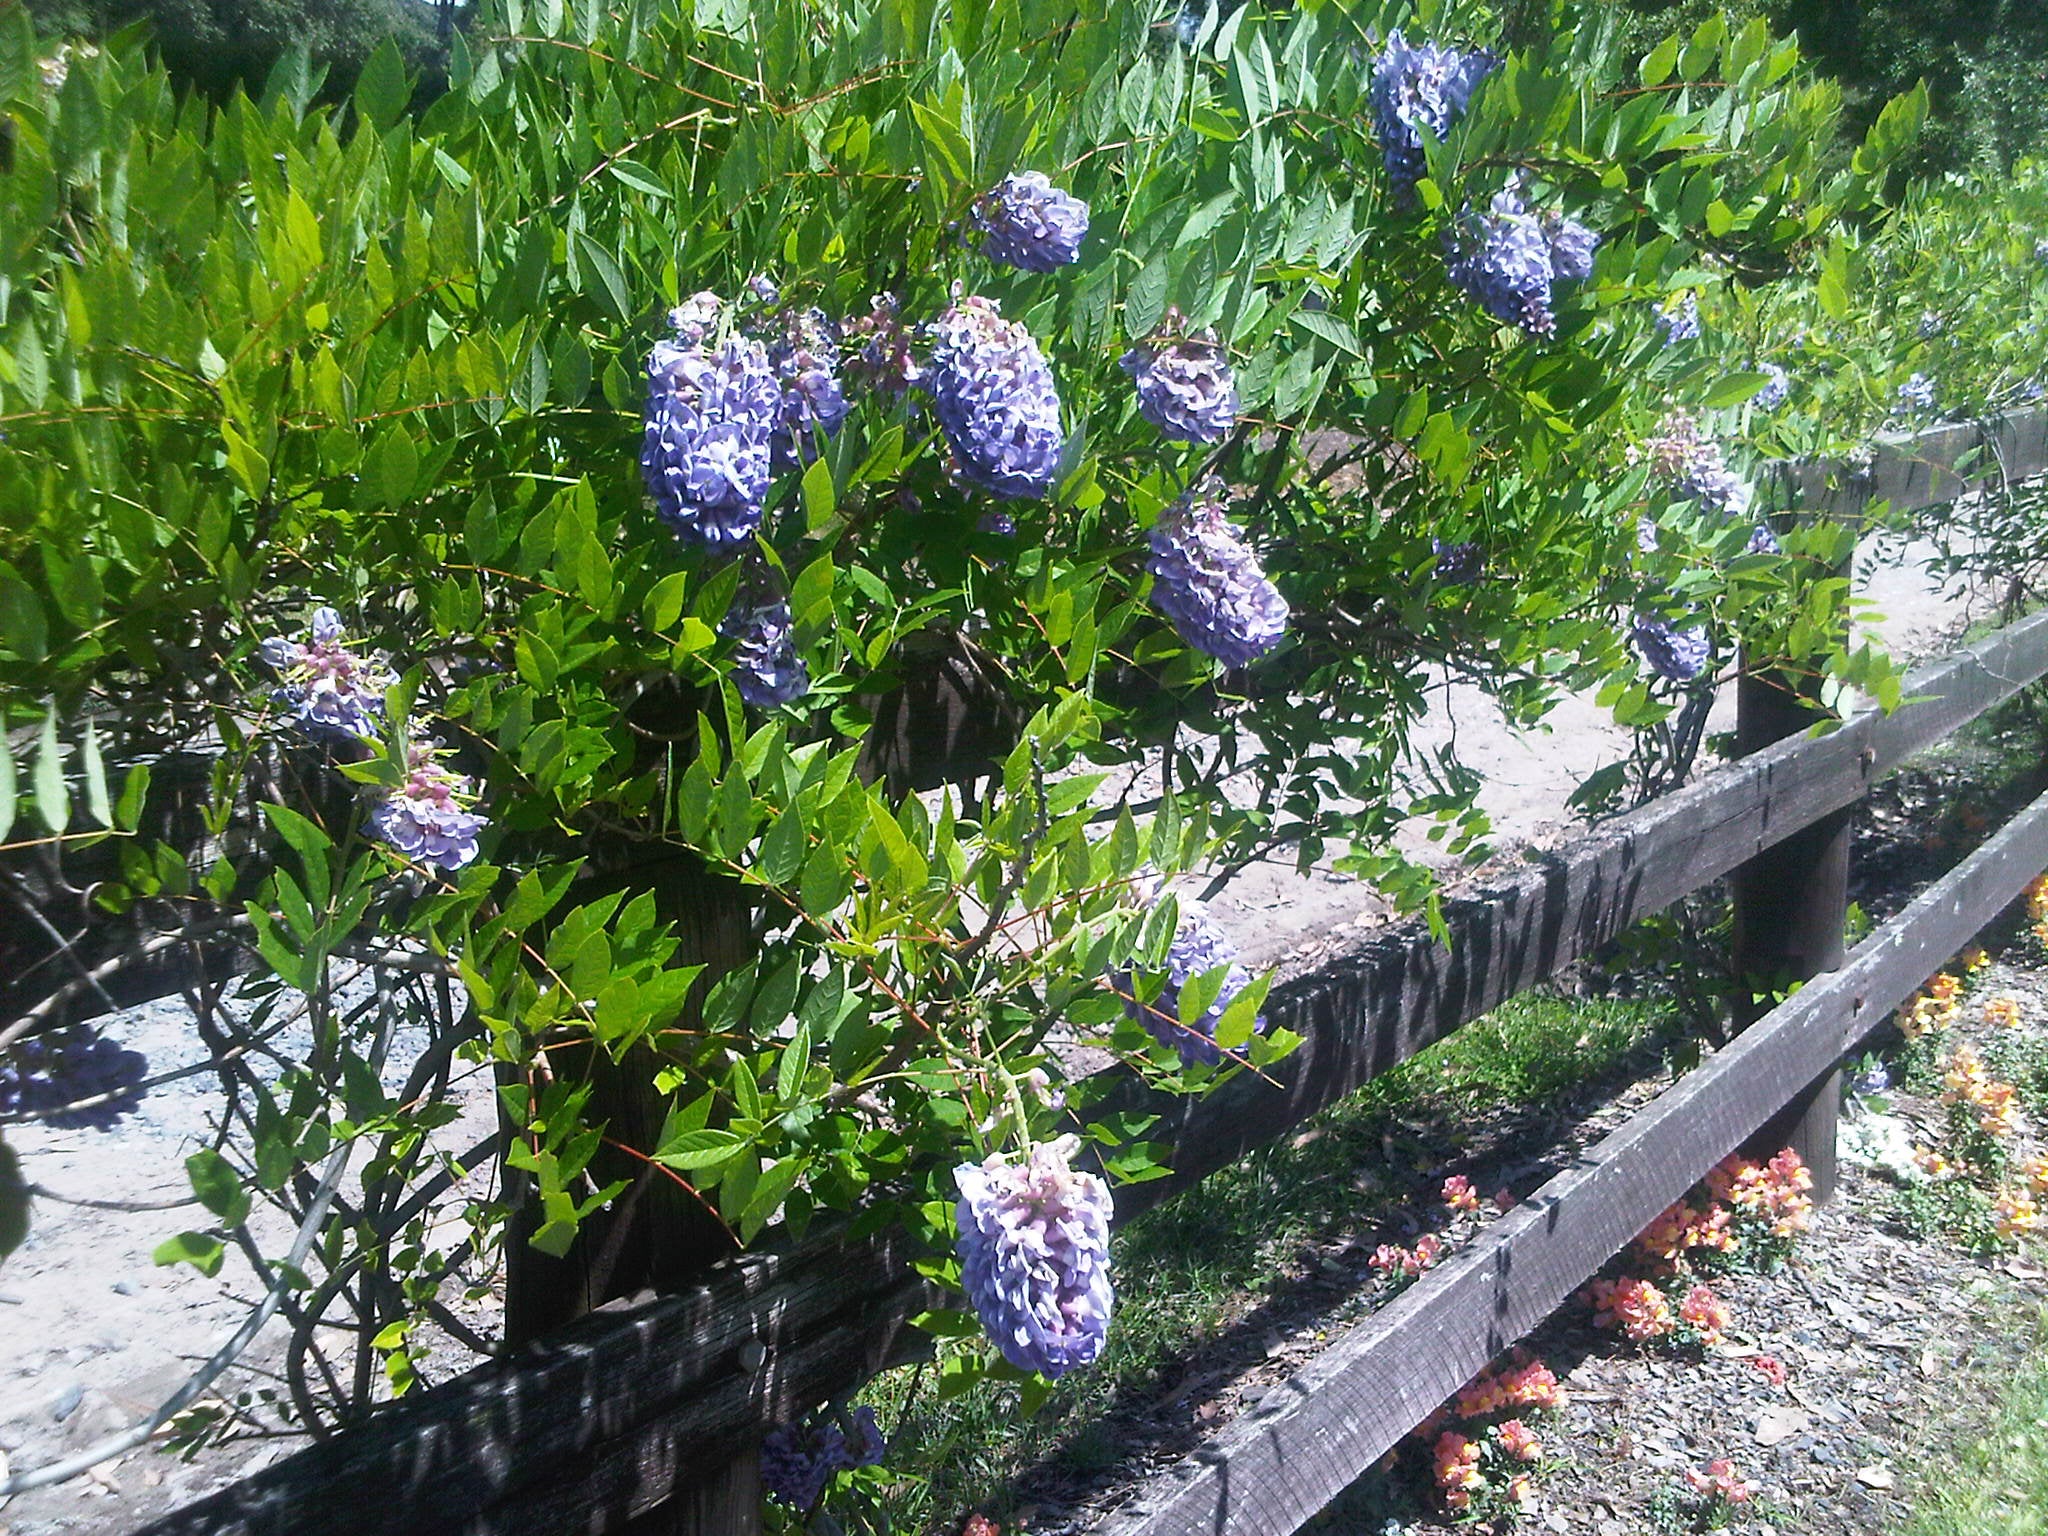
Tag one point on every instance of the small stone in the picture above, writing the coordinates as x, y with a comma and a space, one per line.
1775, 1425
66, 1402
1878, 1476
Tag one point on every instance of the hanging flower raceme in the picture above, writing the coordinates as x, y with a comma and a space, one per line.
1028, 223
1509, 259
1678, 654
1915, 397
1034, 1256
995, 400
812, 398
1776, 392
1428, 86
427, 818
1183, 380
712, 415
798, 1461
1693, 464
46, 1075
1679, 319
1210, 584
765, 666
331, 692
1198, 946
886, 360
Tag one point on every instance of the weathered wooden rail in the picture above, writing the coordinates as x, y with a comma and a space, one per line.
601, 1423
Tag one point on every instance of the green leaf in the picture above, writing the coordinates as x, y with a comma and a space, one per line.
783, 849
7, 792
1735, 388
639, 178
392, 467
611, 282
203, 1253
53, 799
795, 1062
382, 90
218, 1187
99, 804
1656, 68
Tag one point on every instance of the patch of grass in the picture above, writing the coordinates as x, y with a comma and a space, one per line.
1997, 1485
1199, 1265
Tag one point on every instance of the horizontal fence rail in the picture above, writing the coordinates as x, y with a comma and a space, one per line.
1928, 469
1277, 1466
638, 1396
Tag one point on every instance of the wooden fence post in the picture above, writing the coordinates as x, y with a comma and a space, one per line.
1791, 910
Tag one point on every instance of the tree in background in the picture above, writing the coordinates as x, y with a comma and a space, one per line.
217, 45
1985, 63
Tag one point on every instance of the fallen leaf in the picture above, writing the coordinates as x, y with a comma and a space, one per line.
1775, 1425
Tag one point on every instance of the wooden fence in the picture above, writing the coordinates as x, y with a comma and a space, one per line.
607, 1420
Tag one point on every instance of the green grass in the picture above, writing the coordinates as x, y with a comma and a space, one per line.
1997, 1485
1197, 1266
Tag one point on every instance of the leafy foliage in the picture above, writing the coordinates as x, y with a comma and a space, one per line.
272, 357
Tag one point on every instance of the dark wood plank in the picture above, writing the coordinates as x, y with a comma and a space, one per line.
1276, 1468
1924, 470
668, 1370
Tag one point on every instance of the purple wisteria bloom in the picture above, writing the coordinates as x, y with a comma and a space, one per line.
1034, 1256
427, 818
798, 1461
812, 399
1428, 86
697, 316
1183, 380
332, 693
1210, 584
706, 454
44, 1075
1694, 465
765, 666
1457, 565
1571, 248
887, 360
1680, 320
1678, 654
1915, 396
1777, 391
1931, 325
1198, 946
995, 400
1505, 261
1028, 223
1762, 542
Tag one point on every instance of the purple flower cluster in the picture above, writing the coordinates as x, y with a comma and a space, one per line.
1428, 86
1028, 223
886, 360
765, 666
44, 1075
1915, 396
711, 419
1183, 380
812, 399
427, 817
1034, 1256
1508, 260
797, 1462
1209, 584
1457, 565
1930, 325
1198, 946
1680, 321
1678, 654
995, 400
1777, 391
1693, 465
332, 693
